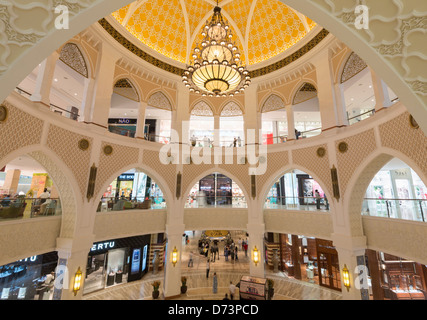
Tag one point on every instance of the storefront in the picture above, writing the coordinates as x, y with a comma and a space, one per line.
29, 279
395, 278
395, 192
216, 189
304, 258
294, 188
117, 261
122, 126
133, 185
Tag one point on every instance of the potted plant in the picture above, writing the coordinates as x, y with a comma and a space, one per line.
270, 289
183, 285
156, 286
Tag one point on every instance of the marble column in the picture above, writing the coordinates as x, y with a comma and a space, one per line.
103, 88
217, 136
72, 256
140, 124
382, 98
290, 119
85, 109
330, 114
11, 181
252, 118
351, 254
44, 80
172, 280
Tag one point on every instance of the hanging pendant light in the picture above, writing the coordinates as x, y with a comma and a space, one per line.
216, 68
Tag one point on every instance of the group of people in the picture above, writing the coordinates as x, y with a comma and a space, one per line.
207, 142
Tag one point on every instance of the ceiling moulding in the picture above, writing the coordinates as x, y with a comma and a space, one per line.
179, 71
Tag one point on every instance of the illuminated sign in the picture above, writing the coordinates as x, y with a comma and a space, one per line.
103, 246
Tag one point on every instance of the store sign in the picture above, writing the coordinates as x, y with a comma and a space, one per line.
126, 177
103, 246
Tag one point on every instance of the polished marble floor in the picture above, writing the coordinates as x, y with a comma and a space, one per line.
201, 288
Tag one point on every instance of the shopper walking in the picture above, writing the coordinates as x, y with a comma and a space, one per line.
215, 283
317, 196
190, 261
208, 267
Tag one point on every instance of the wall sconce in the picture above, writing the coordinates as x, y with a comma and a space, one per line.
256, 255
174, 256
77, 281
346, 277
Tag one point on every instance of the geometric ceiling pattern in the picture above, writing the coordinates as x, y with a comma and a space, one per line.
262, 29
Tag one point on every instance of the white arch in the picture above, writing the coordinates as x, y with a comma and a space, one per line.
145, 169
215, 170
275, 176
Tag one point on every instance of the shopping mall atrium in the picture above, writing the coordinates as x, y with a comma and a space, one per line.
163, 149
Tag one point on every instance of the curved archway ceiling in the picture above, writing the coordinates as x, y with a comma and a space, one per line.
262, 28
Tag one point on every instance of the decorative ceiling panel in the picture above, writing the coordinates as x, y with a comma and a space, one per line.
274, 28
161, 26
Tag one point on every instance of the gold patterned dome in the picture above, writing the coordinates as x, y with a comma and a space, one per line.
262, 29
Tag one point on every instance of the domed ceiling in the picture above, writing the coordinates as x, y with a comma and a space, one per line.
262, 28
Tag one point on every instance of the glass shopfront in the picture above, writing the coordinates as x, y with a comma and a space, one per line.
295, 190
29, 279
394, 278
306, 258
216, 190
116, 261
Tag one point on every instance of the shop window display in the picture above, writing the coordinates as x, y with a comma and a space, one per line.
116, 261
29, 279
132, 190
296, 190
394, 278
396, 191
216, 190
307, 259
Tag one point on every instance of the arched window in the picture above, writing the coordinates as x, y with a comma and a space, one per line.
202, 125
216, 190
231, 125
124, 108
27, 190
296, 190
133, 189
396, 191
274, 120
69, 82
158, 118
306, 111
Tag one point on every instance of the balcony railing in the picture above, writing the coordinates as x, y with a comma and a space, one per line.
26, 208
296, 203
216, 202
361, 117
407, 209
121, 204
54, 108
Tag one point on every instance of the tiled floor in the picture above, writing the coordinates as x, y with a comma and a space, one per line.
200, 287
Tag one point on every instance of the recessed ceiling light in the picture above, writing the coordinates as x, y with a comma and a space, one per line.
75, 94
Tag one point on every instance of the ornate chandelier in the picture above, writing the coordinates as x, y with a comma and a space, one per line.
216, 68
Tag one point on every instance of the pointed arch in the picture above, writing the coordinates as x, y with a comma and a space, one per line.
202, 109
72, 56
272, 103
125, 87
353, 66
305, 92
159, 100
231, 109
